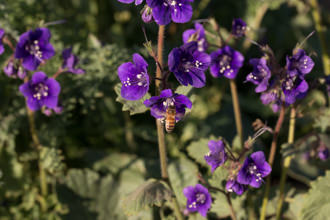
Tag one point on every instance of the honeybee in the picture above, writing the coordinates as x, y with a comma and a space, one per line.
170, 118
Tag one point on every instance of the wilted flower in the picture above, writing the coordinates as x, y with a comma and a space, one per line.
179, 11
14, 71
41, 91
70, 61
134, 77
233, 186
226, 62
34, 47
238, 27
260, 74
299, 64
253, 170
189, 65
198, 35
198, 199
137, 2
2, 48
147, 14
294, 88
159, 104
217, 155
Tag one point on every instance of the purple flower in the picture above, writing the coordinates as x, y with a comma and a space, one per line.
137, 2
260, 74
70, 61
299, 64
159, 104
272, 96
294, 88
41, 91
238, 27
147, 14
323, 152
49, 111
226, 62
2, 34
179, 11
217, 155
34, 47
189, 65
134, 77
253, 170
233, 186
14, 71
198, 35
198, 199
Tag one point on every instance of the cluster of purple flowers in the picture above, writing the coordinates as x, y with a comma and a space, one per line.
281, 86
32, 50
252, 172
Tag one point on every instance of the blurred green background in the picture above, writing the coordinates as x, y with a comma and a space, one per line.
95, 145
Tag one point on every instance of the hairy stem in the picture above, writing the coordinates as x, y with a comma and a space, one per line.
271, 160
287, 162
232, 211
38, 147
160, 129
316, 13
237, 111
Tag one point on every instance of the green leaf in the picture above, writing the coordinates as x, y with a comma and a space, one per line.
198, 149
182, 173
134, 107
221, 208
317, 201
219, 177
184, 90
322, 120
51, 159
152, 192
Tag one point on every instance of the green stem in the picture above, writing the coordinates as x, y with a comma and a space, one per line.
160, 129
38, 147
237, 111
232, 211
286, 164
320, 31
271, 160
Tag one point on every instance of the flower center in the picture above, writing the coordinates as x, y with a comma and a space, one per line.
224, 63
139, 80
34, 49
253, 170
40, 91
200, 198
289, 83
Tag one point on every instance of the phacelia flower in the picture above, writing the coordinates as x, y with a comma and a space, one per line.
2, 34
34, 48
147, 14
179, 11
294, 88
159, 104
233, 186
299, 64
217, 155
198, 199
253, 170
272, 96
226, 62
260, 74
323, 152
49, 111
41, 91
14, 71
137, 2
198, 35
238, 27
134, 77
70, 61
189, 65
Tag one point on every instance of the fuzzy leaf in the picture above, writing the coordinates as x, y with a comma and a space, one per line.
134, 107
317, 201
198, 149
51, 159
152, 192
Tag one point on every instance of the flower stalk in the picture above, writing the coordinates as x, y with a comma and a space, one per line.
271, 158
160, 128
237, 111
287, 162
